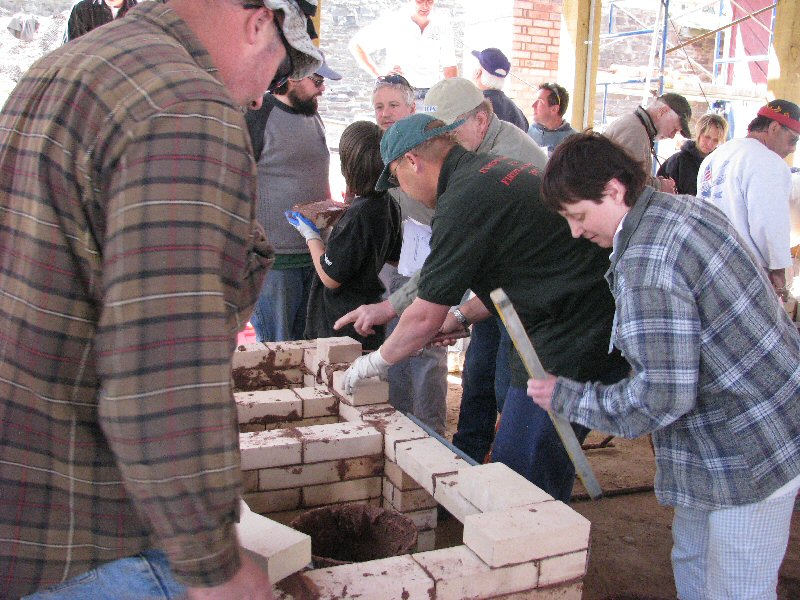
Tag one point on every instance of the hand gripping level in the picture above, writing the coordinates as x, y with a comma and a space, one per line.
526, 351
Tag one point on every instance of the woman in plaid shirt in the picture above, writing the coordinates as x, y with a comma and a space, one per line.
715, 368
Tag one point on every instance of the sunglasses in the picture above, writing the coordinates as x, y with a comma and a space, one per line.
554, 92
286, 67
317, 80
393, 79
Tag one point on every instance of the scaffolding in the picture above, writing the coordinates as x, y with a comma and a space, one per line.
718, 89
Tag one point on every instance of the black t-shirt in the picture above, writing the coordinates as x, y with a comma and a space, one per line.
367, 235
491, 231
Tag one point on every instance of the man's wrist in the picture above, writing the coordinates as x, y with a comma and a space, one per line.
461, 318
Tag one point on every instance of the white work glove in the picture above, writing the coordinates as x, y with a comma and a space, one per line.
369, 365
306, 228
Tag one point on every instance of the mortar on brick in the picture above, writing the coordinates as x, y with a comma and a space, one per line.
375, 455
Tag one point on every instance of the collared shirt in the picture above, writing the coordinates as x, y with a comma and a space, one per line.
716, 360
550, 138
422, 54
128, 266
636, 133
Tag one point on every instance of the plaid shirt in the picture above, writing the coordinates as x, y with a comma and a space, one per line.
716, 360
129, 262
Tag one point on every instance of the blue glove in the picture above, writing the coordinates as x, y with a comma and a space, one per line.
306, 228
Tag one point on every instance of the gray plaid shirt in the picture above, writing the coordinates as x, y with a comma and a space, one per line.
716, 361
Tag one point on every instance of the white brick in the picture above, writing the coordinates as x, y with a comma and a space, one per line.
267, 502
526, 533
250, 481
372, 413
396, 578
447, 494
426, 541
396, 428
343, 491
495, 486
288, 377
398, 477
318, 473
566, 567
249, 355
423, 519
407, 501
316, 421
318, 401
287, 354
369, 391
426, 459
572, 591
268, 406
286, 517
278, 549
340, 440
310, 359
338, 350
459, 573
264, 449
309, 380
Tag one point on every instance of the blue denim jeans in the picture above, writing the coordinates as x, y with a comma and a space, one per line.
528, 443
280, 311
146, 576
484, 381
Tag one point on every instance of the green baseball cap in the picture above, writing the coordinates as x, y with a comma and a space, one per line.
404, 135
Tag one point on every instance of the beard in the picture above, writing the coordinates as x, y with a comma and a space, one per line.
304, 106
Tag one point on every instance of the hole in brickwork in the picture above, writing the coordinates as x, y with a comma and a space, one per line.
355, 533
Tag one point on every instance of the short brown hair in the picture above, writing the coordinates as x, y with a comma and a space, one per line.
558, 96
360, 157
582, 165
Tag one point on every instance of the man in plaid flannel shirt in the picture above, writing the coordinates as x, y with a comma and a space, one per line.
130, 259
715, 368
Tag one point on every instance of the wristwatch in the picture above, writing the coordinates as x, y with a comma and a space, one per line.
462, 320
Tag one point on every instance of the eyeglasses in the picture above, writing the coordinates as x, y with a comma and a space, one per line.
393, 79
392, 179
286, 67
793, 137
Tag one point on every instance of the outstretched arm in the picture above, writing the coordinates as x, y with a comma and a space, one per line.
365, 317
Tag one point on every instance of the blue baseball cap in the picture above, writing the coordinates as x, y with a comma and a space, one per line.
406, 134
493, 61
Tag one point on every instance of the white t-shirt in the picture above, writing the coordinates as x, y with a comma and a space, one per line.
422, 55
751, 184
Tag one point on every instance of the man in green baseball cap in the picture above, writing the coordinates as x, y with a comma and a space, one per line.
490, 231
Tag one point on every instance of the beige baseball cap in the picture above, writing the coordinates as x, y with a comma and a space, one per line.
451, 98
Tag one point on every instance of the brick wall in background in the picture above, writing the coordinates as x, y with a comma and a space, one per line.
537, 34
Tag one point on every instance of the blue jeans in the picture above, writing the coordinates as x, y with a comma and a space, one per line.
528, 443
485, 380
280, 311
146, 576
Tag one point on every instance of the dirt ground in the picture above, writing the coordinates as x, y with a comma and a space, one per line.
631, 534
